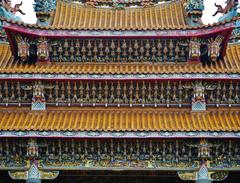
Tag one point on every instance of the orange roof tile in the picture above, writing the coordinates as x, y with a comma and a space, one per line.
6, 57
163, 27
116, 119
74, 16
230, 65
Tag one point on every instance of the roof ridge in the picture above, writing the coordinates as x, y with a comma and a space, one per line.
156, 4
159, 3
59, 26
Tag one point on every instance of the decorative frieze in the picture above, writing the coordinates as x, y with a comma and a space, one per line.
153, 50
130, 93
118, 50
59, 154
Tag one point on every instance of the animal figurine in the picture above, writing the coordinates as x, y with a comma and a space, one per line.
230, 5
7, 5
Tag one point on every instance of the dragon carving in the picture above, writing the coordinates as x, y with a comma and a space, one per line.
230, 5
7, 5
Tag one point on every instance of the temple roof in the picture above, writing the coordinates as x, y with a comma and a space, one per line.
116, 119
137, 23
164, 16
73, 16
230, 65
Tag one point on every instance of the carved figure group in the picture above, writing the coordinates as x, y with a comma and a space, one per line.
214, 48
199, 91
194, 49
43, 50
38, 99
38, 92
23, 48
32, 148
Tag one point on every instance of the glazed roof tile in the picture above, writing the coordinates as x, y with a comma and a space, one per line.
75, 16
163, 27
116, 119
230, 65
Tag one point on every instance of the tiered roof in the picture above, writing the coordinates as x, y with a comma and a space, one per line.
120, 120
164, 16
77, 21
230, 65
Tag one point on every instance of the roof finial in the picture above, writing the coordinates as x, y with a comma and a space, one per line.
194, 10
7, 11
43, 9
7, 5
229, 11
